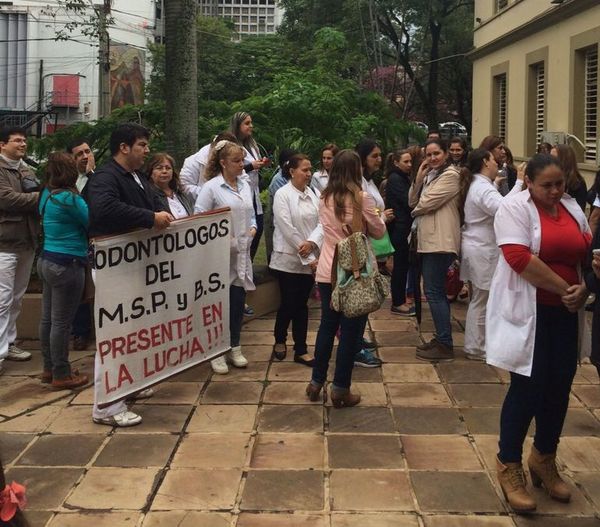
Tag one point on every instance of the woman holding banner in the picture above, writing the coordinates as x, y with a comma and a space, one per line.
225, 187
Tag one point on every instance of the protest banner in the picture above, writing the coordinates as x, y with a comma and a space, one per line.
162, 302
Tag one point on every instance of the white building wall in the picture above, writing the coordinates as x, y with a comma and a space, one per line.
133, 25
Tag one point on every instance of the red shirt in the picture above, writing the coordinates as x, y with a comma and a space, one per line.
563, 247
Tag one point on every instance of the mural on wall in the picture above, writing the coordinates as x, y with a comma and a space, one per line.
126, 75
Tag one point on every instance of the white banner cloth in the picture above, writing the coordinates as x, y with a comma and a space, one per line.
161, 302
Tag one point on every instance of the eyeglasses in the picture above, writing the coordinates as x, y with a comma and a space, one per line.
163, 167
18, 140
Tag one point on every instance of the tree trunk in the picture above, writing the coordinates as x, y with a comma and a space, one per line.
181, 72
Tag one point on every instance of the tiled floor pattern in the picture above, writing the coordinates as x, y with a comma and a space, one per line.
249, 450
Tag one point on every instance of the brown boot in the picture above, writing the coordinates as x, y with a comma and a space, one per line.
512, 482
342, 399
70, 382
314, 392
542, 468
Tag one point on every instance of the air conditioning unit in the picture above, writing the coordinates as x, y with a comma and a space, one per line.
554, 138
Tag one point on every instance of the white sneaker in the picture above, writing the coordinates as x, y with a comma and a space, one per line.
122, 419
473, 356
17, 354
219, 365
236, 358
144, 394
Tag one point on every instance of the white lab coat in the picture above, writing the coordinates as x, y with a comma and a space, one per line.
215, 194
192, 171
511, 308
254, 178
479, 251
296, 218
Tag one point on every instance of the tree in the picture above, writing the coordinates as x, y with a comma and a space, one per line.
406, 41
181, 73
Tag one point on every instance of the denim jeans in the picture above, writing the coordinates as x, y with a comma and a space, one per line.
435, 267
544, 395
62, 290
295, 289
351, 330
237, 299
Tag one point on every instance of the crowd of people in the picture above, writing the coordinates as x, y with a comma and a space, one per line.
526, 251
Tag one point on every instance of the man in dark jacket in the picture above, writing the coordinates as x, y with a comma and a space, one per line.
18, 236
121, 199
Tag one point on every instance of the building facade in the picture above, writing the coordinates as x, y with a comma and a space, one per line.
60, 79
535, 75
251, 17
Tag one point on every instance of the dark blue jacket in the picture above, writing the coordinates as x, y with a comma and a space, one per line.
117, 203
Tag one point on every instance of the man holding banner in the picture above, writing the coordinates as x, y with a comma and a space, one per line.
120, 199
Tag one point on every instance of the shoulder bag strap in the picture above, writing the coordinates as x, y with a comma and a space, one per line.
357, 218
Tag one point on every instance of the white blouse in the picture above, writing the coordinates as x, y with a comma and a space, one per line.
319, 181
296, 219
371, 188
216, 193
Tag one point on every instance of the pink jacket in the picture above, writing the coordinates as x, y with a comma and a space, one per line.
333, 233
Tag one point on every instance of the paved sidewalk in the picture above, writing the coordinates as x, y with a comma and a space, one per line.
248, 449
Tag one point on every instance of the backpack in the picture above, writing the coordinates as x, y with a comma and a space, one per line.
357, 286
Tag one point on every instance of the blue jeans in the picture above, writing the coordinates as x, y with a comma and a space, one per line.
435, 267
351, 331
237, 299
62, 290
544, 395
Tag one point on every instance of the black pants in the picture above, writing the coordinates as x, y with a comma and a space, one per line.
256, 239
295, 290
544, 395
399, 274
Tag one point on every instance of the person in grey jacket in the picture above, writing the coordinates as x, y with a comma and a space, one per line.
160, 168
19, 193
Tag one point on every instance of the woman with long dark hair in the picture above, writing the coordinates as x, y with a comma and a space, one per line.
369, 152
335, 214
399, 166
507, 174
575, 184
434, 196
242, 127
61, 266
479, 199
532, 324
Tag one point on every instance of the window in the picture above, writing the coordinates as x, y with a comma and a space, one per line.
500, 105
590, 105
540, 101
500, 4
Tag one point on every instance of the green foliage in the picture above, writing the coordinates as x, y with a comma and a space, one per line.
301, 89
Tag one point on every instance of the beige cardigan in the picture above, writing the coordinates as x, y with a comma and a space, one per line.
438, 227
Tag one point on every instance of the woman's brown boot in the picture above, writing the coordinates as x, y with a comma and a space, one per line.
342, 399
314, 392
513, 484
542, 468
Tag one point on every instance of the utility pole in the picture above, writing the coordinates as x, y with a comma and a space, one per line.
104, 59
40, 99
